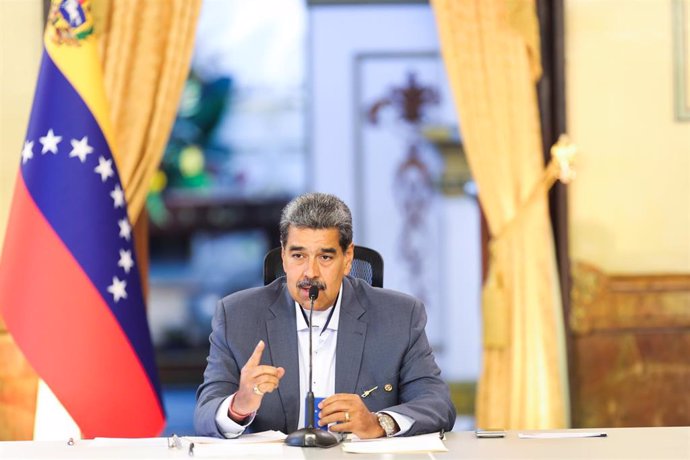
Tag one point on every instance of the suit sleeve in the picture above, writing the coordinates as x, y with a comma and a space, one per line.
424, 396
221, 378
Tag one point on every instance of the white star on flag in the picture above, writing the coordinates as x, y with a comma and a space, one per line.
125, 229
118, 196
80, 148
50, 142
27, 151
117, 289
125, 261
104, 168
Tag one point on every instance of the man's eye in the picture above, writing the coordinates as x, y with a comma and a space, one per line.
296, 256
326, 257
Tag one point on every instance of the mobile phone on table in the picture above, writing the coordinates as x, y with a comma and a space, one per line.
490, 433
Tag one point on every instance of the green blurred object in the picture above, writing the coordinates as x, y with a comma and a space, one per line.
463, 395
190, 158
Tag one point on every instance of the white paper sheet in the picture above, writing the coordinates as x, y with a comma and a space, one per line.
263, 445
562, 435
422, 443
115, 442
249, 438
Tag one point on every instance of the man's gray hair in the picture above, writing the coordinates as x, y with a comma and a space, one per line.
317, 211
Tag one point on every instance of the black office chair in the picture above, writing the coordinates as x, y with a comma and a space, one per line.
367, 265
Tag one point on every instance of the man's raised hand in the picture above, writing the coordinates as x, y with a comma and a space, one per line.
255, 381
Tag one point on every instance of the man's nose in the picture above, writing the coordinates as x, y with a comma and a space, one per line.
312, 268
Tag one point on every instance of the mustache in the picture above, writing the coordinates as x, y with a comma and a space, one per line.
307, 283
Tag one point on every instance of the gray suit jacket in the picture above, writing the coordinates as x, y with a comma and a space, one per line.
381, 340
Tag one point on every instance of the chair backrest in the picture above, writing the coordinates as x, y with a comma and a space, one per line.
367, 265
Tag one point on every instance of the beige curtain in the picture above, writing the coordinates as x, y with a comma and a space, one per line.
491, 52
146, 48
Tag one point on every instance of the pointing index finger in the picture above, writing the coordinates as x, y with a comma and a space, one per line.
255, 358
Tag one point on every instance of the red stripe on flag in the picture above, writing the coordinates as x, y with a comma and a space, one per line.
66, 330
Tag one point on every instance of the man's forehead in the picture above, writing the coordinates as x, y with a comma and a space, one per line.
325, 239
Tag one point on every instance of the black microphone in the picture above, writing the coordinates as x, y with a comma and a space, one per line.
310, 436
313, 295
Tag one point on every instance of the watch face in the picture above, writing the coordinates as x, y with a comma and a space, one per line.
387, 423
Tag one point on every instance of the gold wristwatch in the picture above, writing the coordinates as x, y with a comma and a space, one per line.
387, 423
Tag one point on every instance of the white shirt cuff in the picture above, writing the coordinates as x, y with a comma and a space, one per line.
227, 426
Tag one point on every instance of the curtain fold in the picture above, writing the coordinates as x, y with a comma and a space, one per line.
146, 52
491, 53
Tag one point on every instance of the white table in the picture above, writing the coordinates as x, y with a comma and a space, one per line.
621, 443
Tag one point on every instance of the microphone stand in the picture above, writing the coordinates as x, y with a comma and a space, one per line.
310, 436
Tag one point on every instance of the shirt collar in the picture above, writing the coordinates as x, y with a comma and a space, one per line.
332, 324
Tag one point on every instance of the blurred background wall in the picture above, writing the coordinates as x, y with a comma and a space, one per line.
630, 205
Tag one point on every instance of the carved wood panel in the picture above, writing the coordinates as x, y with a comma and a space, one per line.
631, 349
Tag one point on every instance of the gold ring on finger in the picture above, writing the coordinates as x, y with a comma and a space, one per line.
257, 390
347, 416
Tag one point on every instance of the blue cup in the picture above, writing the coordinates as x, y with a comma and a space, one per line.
315, 415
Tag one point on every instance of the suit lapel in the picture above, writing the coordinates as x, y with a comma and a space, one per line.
351, 334
282, 337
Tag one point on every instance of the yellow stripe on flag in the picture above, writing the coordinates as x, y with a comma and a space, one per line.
81, 66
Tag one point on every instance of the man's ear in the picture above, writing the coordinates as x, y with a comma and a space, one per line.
349, 257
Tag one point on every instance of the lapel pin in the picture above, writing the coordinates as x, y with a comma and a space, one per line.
368, 392
388, 387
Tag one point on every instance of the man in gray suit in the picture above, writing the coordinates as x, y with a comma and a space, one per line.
372, 360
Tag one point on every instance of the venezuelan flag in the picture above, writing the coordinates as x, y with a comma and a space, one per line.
70, 291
